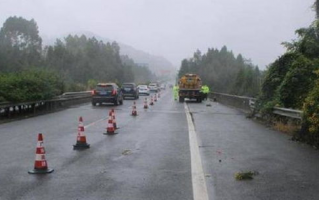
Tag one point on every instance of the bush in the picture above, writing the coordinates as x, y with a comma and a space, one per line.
30, 85
310, 127
297, 83
75, 87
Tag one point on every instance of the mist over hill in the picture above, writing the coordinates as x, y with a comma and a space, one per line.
157, 64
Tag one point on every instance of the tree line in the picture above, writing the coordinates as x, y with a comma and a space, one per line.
224, 72
71, 64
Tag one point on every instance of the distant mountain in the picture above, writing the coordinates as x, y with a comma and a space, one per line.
157, 64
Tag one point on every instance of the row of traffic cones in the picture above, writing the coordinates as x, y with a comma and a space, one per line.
156, 97
111, 124
41, 165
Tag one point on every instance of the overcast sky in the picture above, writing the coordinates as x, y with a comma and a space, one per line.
174, 28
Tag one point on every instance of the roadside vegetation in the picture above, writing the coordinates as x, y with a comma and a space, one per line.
30, 71
292, 81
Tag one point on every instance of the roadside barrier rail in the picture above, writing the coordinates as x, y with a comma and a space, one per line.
248, 104
8, 110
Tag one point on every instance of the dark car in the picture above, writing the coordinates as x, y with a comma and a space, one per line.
107, 93
130, 90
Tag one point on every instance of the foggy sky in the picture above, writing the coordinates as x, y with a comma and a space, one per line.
174, 28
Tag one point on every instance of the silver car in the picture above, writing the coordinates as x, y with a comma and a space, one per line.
143, 89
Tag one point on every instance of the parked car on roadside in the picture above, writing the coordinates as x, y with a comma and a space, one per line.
107, 93
143, 89
130, 90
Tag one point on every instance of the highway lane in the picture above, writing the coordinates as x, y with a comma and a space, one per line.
157, 167
230, 143
158, 164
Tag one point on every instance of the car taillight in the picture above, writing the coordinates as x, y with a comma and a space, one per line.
93, 92
114, 92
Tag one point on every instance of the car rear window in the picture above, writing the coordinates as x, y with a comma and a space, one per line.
142, 86
128, 86
104, 88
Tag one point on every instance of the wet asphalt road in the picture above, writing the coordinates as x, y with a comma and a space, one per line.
158, 165
230, 143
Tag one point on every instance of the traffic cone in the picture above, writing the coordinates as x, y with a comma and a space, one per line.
114, 120
155, 98
81, 138
40, 164
134, 111
159, 95
145, 104
110, 126
151, 103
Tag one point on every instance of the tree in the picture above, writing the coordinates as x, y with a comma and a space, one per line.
223, 72
20, 44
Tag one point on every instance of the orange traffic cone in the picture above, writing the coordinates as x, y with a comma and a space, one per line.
114, 120
134, 111
151, 103
155, 98
81, 138
110, 126
40, 164
145, 104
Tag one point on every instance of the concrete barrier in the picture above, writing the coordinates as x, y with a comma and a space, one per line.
245, 104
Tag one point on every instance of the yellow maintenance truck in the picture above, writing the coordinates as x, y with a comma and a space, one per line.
190, 87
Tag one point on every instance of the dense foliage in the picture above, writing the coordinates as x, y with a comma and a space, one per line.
30, 85
292, 81
29, 72
224, 72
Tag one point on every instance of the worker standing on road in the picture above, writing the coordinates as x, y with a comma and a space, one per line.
175, 92
202, 92
206, 91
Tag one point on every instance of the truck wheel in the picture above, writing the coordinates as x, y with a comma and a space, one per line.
93, 103
199, 100
181, 99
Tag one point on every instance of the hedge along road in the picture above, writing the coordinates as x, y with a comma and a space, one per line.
150, 157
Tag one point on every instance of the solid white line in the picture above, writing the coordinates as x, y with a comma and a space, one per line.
198, 178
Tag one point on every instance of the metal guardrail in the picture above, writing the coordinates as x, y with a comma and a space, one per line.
295, 114
71, 94
8, 109
241, 101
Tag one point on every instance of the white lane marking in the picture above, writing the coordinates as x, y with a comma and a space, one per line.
198, 178
91, 124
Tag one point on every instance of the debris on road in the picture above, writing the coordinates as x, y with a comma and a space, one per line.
126, 152
239, 176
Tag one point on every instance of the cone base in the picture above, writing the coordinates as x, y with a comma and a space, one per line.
110, 133
41, 171
81, 146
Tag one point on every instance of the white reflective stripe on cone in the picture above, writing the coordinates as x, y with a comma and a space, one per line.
39, 157
39, 144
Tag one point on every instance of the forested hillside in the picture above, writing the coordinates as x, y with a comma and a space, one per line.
156, 64
72, 63
224, 72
